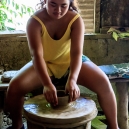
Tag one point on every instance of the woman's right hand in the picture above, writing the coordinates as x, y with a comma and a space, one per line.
50, 94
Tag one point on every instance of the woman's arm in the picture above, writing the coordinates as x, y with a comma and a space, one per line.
36, 49
77, 40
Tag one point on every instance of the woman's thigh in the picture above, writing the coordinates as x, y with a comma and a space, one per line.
92, 77
25, 80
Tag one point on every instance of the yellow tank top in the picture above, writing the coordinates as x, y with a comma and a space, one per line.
56, 52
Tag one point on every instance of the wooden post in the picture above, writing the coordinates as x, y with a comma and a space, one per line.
1, 118
122, 104
2, 95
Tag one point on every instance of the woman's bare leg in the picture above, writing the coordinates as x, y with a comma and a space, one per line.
96, 80
25, 81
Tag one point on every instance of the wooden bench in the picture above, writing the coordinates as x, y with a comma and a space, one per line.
119, 74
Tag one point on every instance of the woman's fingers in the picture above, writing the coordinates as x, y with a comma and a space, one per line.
71, 96
51, 98
55, 100
74, 95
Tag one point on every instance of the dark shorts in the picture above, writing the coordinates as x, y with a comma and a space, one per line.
62, 81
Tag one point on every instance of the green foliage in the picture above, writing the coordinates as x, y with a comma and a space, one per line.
9, 10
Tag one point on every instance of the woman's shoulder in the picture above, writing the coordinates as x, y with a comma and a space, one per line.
75, 19
72, 13
33, 22
38, 14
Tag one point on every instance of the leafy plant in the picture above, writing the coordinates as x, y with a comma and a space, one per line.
9, 10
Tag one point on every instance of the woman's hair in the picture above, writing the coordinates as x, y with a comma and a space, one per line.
72, 6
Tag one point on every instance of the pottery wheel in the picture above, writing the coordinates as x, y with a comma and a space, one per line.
38, 108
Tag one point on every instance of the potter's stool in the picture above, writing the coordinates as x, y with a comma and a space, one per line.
76, 115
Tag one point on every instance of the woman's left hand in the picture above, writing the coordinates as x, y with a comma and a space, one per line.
73, 90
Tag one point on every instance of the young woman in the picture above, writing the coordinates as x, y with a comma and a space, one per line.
55, 36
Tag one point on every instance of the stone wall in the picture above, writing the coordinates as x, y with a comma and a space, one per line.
14, 52
103, 49
114, 13
100, 48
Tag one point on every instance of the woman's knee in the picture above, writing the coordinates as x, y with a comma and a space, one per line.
103, 87
15, 87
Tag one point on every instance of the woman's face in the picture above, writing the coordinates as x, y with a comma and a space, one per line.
57, 8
